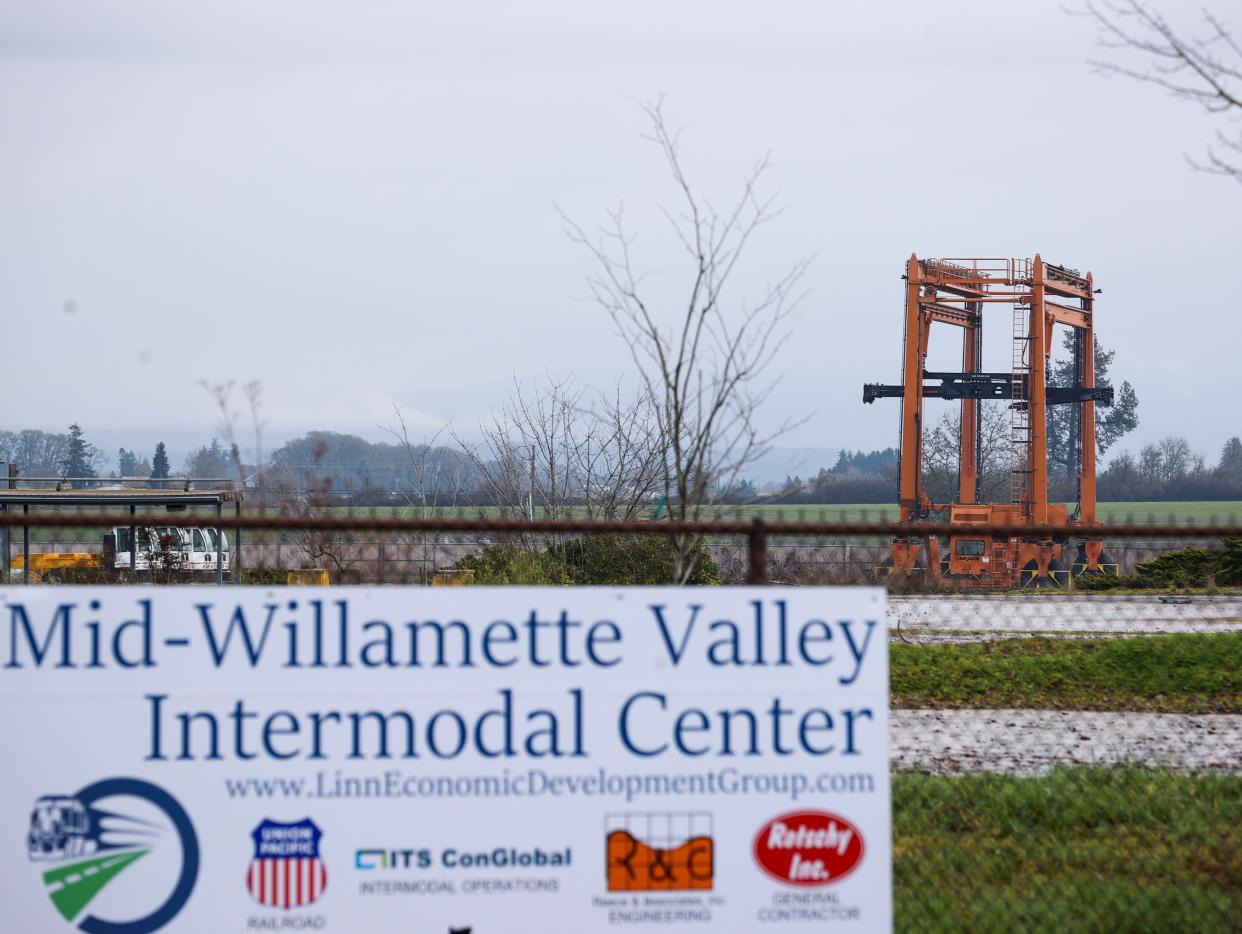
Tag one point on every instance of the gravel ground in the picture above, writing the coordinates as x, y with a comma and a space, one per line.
964, 619
1030, 742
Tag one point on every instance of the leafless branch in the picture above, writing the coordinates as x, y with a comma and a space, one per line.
942, 445
1205, 69
230, 418
703, 365
430, 486
559, 450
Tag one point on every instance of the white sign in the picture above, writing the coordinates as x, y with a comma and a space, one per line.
379, 759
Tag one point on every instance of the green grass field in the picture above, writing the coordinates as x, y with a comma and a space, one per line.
1198, 512
1185, 673
1081, 849
1178, 512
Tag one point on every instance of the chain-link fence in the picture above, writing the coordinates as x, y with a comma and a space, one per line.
1066, 755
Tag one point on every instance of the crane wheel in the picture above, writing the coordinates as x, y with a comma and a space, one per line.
1108, 565
1059, 576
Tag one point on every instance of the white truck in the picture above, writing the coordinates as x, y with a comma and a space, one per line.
175, 551
191, 550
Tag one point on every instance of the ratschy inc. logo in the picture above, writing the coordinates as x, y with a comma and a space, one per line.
657, 852
808, 848
286, 871
124, 835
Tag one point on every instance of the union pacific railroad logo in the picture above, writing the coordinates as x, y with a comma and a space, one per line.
120, 834
286, 871
660, 851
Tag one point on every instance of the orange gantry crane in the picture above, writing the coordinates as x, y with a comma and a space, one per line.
1040, 296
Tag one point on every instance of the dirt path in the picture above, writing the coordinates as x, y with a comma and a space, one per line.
957, 619
1030, 742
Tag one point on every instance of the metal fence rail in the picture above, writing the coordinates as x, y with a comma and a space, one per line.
757, 533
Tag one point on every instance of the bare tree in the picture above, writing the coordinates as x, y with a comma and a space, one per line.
430, 486
942, 445
1204, 69
37, 453
222, 395
336, 551
523, 456
561, 450
704, 361
618, 462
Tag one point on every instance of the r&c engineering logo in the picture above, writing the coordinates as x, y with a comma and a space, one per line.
659, 852
122, 847
286, 871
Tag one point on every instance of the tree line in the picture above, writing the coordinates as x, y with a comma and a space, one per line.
565, 461
1170, 470
68, 454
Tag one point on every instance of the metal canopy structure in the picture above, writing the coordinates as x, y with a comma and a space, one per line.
116, 498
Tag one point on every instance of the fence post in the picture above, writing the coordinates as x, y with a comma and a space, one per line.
25, 548
757, 553
237, 545
133, 543
219, 543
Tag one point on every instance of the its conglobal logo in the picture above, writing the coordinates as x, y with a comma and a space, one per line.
367, 860
119, 856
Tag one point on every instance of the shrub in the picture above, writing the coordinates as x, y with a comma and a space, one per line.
1092, 582
1193, 566
507, 564
627, 559
264, 576
1231, 563
590, 560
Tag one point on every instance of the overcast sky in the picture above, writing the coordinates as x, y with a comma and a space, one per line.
354, 202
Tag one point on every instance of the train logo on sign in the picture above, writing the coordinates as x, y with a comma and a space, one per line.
808, 848
659, 852
286, 871
119, 834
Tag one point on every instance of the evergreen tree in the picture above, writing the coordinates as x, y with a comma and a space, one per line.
208, 461
80, 456
1231, 459
1112, 423
129, 464
866, 463
159, 463
791, 486
743, 492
